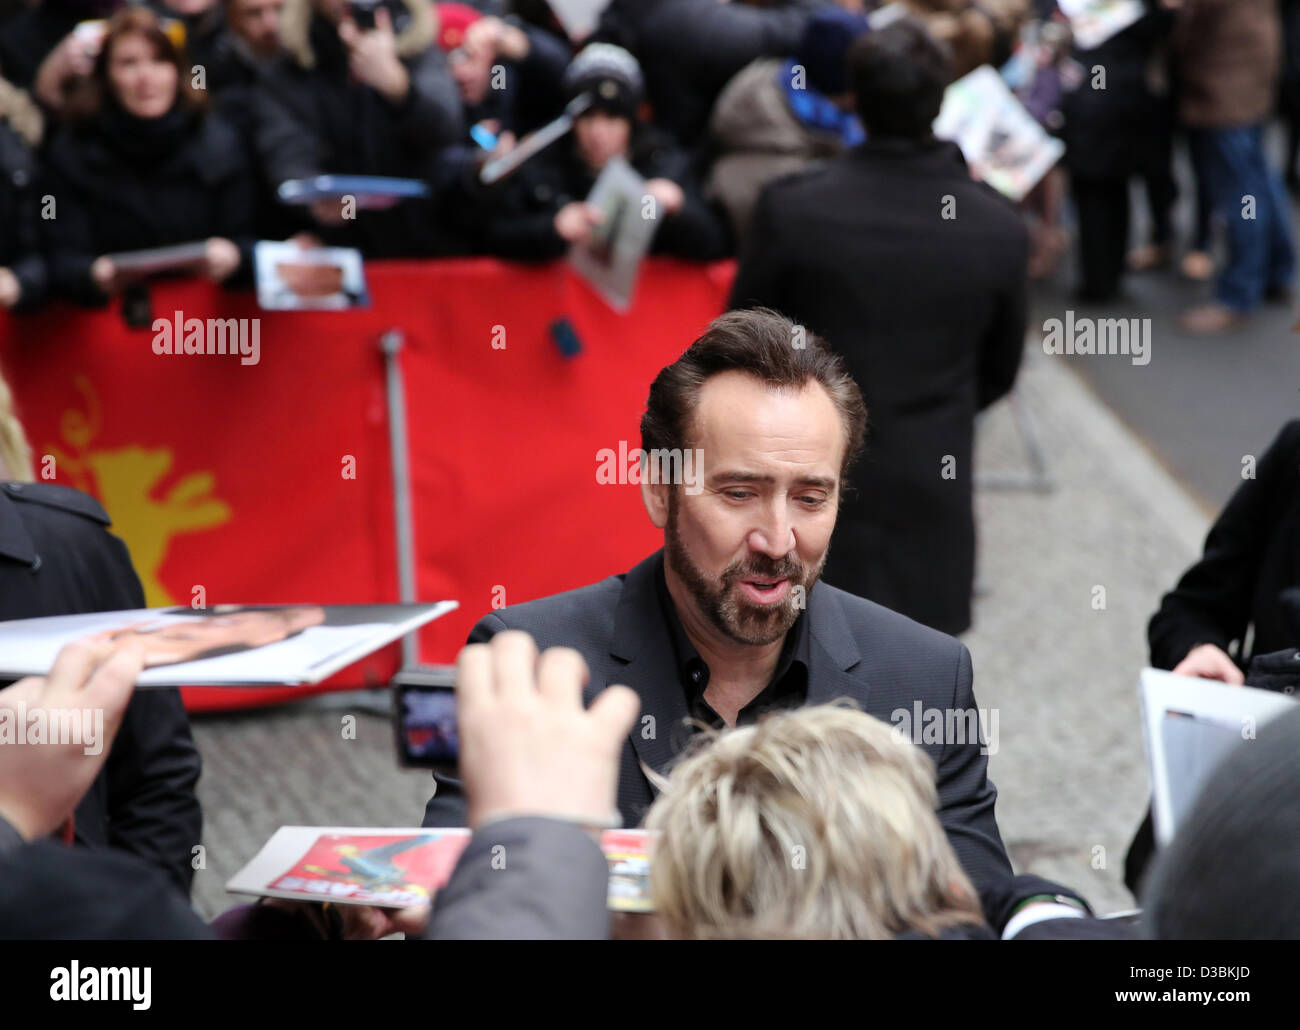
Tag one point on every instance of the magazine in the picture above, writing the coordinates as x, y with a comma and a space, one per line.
226, 645
611, 260
397, 868
1094, 21
1003, 144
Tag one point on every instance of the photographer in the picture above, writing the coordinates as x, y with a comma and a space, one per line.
357, 99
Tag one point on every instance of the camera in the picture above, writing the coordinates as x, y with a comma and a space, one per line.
424, 721
362, 12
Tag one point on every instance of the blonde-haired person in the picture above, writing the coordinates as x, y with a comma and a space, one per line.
15, 452
815, 823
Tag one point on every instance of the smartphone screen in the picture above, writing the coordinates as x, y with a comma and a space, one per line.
425, 723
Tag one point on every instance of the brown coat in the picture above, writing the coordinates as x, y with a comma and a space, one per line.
1230, 58
758, 139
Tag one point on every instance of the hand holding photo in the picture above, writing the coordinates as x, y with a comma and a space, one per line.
227, 645
290, 278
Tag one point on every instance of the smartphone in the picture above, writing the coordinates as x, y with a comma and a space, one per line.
363, 13
483, 136
424, 721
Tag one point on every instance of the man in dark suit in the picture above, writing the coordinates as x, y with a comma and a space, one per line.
916, 274
745, 441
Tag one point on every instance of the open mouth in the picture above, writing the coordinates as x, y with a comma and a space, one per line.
765, 591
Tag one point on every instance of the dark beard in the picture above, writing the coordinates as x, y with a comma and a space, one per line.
731, 613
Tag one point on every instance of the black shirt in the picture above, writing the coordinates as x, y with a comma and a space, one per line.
787, 689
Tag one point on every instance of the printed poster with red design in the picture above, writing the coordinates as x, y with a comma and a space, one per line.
628, 855
395, 868
387, 868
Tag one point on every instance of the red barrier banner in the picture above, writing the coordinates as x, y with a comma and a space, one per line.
270, 481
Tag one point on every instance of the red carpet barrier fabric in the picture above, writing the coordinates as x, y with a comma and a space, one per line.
270, 481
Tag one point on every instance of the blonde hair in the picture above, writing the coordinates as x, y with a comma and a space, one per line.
815, 823
15, 453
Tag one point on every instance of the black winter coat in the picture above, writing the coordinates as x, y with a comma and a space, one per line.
319, 120
112, 197
20, 205
1252, 555
690, 49
1123, 126
929, 313
57, 558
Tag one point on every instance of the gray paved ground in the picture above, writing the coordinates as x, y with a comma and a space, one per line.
1062, 676
1203, 402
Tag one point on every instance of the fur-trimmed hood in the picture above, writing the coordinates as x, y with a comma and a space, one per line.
21, 112
421, 31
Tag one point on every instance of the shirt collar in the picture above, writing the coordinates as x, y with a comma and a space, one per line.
794, 649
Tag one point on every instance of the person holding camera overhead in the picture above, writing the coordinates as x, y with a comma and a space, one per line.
362, 90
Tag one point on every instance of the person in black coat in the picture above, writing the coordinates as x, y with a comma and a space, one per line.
23, 274
542, 210
352, 102
144, 167
692, 48
36, 51
1244, 587
1119, 123
205, 27
1251, 558
916, 274
58, 558
248, 47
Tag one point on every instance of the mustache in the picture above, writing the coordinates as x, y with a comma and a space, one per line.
765, 568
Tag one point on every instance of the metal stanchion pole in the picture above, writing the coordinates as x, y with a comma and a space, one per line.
411, 672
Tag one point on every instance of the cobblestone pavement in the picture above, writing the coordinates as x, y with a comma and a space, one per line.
1059, 670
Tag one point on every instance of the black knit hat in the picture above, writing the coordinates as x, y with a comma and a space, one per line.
609, 75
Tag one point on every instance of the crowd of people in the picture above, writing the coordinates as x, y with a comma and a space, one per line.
798, 137
179, 119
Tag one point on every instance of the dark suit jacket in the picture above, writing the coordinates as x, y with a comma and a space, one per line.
929, 313
858, 650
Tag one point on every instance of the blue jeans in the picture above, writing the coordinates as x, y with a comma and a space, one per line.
1232, 165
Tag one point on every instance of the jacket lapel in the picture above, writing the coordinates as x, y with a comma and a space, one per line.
643, 660
834, 652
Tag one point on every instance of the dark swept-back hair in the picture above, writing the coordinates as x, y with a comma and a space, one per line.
898, 76
766, 345
88, 97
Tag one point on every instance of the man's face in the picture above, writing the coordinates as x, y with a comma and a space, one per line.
257, 23
760, 529
188, 7
471, 69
